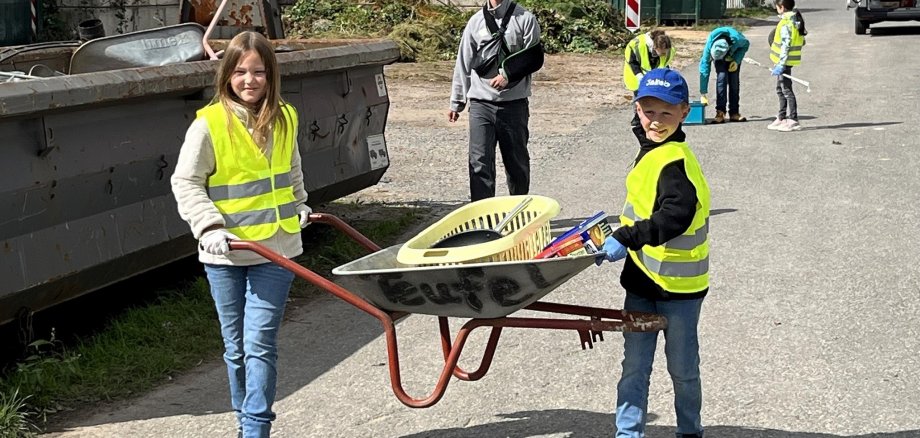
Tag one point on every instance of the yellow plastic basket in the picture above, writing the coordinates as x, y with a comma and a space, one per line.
525, 236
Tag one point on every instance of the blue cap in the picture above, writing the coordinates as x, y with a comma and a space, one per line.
719, 49
665, 84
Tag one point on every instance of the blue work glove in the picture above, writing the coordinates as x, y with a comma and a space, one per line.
778, 70
614, 249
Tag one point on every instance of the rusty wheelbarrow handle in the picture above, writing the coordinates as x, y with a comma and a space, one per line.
340, 225
385, 318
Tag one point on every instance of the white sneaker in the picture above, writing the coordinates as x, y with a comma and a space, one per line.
789, 125
776, 124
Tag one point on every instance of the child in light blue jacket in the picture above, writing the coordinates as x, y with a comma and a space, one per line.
725, 48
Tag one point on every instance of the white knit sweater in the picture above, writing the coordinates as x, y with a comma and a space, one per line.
189, 184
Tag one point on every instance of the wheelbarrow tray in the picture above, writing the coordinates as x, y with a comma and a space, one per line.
475, 290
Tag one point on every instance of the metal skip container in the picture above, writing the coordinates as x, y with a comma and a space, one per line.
85, 197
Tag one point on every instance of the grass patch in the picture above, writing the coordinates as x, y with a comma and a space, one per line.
15, 419
143, 346
137, 349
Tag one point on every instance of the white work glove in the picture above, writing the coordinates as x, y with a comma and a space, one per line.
639, 77
304, 210
216, 241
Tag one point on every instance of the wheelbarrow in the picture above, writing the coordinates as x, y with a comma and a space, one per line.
487, 293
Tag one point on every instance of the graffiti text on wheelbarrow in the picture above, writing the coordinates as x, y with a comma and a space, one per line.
469, 287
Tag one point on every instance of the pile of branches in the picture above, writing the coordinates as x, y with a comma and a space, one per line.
429, 31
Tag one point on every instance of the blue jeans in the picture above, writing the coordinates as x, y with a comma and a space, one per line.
682, 351
727, 87
250, 302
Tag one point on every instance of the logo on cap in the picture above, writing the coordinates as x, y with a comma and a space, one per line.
665, 84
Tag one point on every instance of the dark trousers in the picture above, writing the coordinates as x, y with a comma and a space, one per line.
728, 86
504, 123
787, 105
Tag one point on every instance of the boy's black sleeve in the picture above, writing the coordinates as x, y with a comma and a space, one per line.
675, 205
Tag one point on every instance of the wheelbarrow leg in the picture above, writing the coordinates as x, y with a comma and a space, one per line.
487, 356
449, 369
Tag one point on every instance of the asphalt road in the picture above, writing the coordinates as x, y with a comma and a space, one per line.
811, 328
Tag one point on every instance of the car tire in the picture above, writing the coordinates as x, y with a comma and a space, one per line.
860, 27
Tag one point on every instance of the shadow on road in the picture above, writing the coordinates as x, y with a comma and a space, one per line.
849, 125
894, 31
717, 211
585, 424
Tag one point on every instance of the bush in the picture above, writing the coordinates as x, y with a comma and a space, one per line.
583, 27
427, 31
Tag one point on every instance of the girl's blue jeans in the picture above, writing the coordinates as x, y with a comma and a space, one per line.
250, 302
682, 352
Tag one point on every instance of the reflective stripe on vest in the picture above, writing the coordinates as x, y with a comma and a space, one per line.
245, 190
794, 57
254, 194
259, 217
640, 47
680, 265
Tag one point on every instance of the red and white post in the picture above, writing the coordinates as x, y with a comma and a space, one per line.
32, 4
632, 15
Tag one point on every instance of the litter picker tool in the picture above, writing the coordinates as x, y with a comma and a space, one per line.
793, 78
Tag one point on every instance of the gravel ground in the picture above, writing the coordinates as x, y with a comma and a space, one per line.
428, 165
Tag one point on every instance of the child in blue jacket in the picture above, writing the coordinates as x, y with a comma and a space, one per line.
725, 48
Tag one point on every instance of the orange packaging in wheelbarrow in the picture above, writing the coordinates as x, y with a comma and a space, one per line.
524, 237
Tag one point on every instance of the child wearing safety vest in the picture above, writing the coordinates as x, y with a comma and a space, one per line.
664, 238
238, 177
645, 52
786, 52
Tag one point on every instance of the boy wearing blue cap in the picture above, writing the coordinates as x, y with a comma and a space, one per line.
665, 227
725, 49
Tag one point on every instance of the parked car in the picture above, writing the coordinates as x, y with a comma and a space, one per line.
869, 12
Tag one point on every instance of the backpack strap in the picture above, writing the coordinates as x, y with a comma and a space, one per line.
490, 19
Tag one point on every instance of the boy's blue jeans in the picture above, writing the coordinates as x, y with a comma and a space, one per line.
683, 358
727, 87
250, 302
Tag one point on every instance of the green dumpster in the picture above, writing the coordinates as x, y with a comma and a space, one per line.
712, 9
676, 10
15, 22
648, 9
679, 10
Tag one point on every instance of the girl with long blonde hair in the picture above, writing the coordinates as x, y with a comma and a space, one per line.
239, 176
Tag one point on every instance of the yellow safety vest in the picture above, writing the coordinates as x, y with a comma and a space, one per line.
639, 46
254, 196
680, 265
795, 45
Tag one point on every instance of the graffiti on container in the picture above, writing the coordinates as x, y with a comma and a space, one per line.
469, 287
166, 43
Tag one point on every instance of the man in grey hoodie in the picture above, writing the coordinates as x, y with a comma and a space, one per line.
499, 110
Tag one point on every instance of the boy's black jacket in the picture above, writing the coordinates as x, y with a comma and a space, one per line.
675, 205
